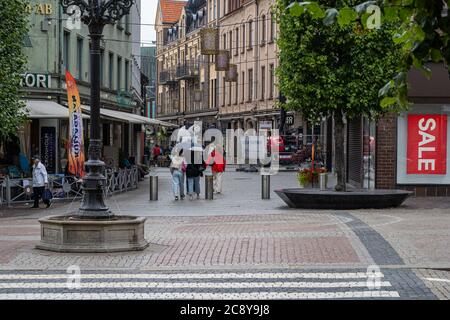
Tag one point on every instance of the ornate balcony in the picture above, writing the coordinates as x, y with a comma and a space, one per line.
189, 70
167, 77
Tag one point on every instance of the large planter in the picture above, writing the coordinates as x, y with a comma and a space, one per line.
361, 199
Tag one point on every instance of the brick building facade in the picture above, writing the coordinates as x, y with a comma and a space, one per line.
429, 97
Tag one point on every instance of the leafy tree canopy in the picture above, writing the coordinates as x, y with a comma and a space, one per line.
14, 26
422, 32
337, 67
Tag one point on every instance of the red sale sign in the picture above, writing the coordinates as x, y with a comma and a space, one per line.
427, 144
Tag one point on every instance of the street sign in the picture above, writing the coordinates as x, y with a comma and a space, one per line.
290, 120
265, 125
124, 98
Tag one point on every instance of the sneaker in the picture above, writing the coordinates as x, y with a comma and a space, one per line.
198, 196
182, 197
48, 205
191, 197
176, 198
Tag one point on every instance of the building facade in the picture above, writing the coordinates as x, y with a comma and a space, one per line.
148, 59
183, 73
412, 149
189, 86
247, 32
57, 43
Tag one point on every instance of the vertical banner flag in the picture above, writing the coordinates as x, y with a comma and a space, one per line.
76, 145
427, 144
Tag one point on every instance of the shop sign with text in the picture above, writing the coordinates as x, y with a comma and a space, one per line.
427, 144
44, 9
36, 80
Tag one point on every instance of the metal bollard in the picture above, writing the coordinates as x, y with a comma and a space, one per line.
8, 191
265, 186
153, 188
323, 181
209, 187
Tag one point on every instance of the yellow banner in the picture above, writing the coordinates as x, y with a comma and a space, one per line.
76, 144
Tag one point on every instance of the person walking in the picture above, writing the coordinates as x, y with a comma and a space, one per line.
40, 182
177, 168
218, 168
194, 170
156, 152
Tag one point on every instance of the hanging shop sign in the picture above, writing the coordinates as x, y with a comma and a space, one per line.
427, 144
209, 41
76, 146
36, 80
48, 148
231, 74
198, 95
222, 61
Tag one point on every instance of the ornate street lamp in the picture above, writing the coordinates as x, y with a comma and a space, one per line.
96, 14
94, 228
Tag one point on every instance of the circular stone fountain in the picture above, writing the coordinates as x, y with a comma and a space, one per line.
72, 233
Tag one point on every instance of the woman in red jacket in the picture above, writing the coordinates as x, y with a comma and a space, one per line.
218, 168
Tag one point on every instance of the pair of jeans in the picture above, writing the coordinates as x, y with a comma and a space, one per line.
37, 194
178, 183
193, 185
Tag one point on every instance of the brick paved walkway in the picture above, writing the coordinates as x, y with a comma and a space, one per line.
239, 231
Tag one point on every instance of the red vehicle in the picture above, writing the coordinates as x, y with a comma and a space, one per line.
286, 146
277, 143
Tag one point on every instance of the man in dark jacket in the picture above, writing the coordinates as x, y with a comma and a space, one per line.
194, 170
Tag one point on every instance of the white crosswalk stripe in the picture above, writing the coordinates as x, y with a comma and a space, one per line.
233, 286
228, 275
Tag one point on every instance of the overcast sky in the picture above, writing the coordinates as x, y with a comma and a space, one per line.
148, 15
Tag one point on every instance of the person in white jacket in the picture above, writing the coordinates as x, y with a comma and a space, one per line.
177, 169
40, 181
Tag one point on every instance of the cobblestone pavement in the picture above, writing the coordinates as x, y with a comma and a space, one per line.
239, 232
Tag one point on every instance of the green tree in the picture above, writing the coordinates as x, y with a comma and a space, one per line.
423, 32
333, 70
13, 28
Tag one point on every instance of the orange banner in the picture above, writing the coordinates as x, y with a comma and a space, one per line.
76, 144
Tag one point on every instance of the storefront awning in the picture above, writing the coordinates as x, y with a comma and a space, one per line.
128, 117
46, 109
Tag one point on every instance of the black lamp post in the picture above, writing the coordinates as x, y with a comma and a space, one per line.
96, 14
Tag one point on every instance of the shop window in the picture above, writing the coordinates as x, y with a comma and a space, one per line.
263, 29
369, 153
80, 58
66, 50
111, 71
250, 85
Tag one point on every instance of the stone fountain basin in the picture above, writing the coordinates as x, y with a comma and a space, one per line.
73, 234
351, 200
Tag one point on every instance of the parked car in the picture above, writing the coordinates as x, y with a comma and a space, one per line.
287, 146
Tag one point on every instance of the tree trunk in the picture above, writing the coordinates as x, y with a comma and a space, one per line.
339, 149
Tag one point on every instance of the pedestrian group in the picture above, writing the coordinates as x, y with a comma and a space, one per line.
190, 166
